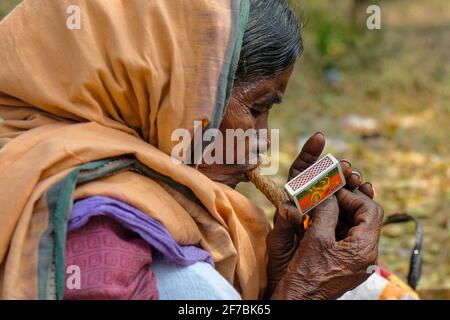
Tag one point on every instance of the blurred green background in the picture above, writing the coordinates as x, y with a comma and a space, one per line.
6, 6
382, 97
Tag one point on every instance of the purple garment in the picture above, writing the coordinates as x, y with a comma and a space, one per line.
151, 230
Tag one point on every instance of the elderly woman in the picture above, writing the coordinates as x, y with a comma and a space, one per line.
92, 204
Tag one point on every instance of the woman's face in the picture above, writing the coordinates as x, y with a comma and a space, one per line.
249, 108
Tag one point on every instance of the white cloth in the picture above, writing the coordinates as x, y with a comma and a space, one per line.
199, 281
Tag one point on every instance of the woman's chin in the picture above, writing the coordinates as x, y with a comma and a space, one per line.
235, 180
231, 175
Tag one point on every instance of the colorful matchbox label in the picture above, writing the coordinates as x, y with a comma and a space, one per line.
316, 183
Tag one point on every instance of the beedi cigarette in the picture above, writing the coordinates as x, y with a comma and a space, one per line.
311, 187
270, 190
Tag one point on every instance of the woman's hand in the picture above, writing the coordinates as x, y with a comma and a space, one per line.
324, 267
283, 240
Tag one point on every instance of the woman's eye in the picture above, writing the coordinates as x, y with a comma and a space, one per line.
258, 110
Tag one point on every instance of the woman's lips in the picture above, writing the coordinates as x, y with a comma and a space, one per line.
246, 167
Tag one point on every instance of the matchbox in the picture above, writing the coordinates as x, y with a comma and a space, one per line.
315, 184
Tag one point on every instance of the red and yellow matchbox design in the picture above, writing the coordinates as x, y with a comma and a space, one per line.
316, 183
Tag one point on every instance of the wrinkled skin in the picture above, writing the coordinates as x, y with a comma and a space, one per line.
248, 108
332, 256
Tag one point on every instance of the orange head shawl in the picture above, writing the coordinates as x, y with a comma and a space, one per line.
90, 111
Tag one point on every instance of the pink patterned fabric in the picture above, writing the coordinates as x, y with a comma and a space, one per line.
114, 263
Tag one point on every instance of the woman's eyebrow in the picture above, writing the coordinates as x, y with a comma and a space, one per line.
274, 98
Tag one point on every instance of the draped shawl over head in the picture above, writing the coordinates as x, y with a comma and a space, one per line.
90, 111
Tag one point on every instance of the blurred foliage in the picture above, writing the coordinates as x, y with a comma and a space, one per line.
399, 77
6, 6
339, 41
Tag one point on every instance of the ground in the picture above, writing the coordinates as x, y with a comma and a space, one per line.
382, 97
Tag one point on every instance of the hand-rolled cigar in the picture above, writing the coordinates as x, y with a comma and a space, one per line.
270, 190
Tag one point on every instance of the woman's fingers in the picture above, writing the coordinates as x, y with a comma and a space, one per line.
311, 151
287, 216
362, 239
282, 242
334, 267
325, 219
346, 219
367, 189
367, 214
346, 167
354, 180
284, 237
352, 176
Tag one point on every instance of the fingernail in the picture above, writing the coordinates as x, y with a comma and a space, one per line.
319, 132
357, 174
347, 162
283, 210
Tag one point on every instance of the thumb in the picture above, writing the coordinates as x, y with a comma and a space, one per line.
325, 218
309, 154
